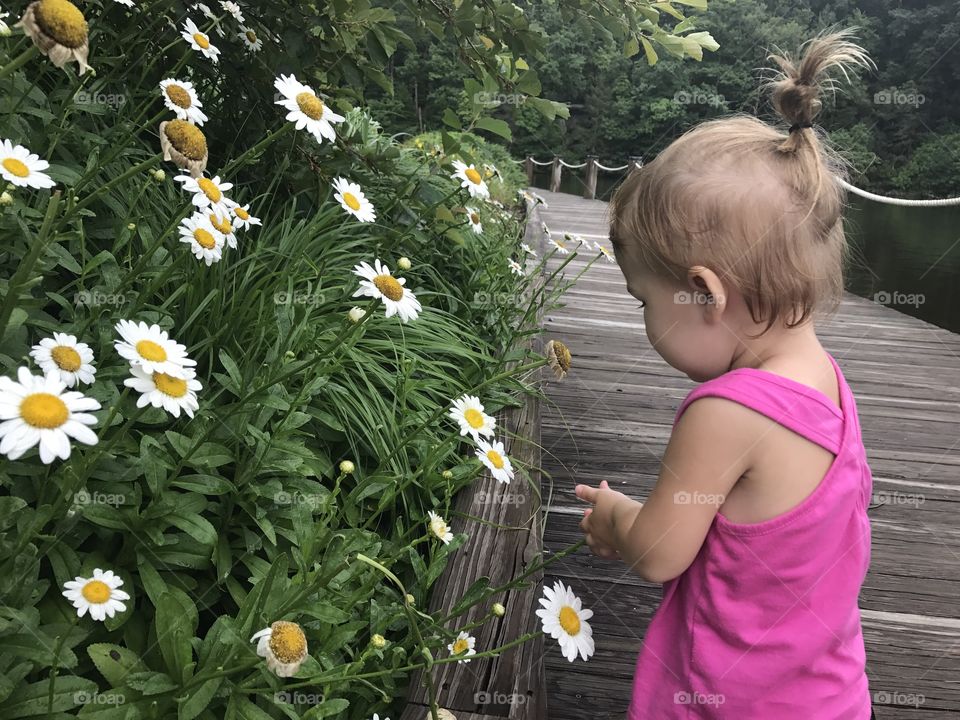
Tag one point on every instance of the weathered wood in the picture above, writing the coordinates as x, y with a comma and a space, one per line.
555, 170
528, 167
590, 184
611, 419
504, 522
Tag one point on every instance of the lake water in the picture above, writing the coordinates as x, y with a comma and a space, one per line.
907, 258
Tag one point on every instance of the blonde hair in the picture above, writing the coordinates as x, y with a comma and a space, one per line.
759, 206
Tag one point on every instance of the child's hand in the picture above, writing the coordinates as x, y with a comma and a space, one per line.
597, 523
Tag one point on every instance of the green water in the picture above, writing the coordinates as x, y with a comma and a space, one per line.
907, 258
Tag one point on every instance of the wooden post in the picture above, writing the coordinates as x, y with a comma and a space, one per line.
555, 177
590, 183
636, 162
528, 166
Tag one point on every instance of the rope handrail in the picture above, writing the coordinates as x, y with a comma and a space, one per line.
613, 169
572, 167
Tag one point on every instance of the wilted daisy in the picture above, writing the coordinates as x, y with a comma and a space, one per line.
515, 267
356, 314
20, 167
206, 243
284, 646
539, 199
379, 283
59, 30
558, 357
152, 349
306, 109
463, 645
208, 194
199, 40
250, 39
233, 9
63, 355
578, 239
471, 179
185, 145
564, 619
243, 217
474, 217
100, 594
181, 97
468, 411
173, 394
528, 250
560, 246
493, 456
352, 199
438, 526
35, 410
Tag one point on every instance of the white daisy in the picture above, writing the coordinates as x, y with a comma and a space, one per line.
35, 410
250, 39
356, 314
468, 411
606, 253
284, 645
223, 224
377, 717
379, 283
206, 11
471, 179
474, 218
233, 9
62, 355
208, 194
243, 217
560, 246
4, 28
205, 241
515, 267
180, 97
152, 349
528, 250
128, 3
352, 199
564, 619
463, 645
578, 239
100, 594
173, 394
438, 526
23, 168
493, 456
199, 40
306, 109
539, 199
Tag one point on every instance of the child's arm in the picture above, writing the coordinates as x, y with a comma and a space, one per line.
708, 452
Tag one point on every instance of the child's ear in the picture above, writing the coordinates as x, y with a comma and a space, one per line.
712, 295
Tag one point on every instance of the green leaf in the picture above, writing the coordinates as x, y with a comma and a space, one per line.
173, 635
200, 699
649, 51
498, 127
36, 699
698, 4
327, 708
450, 118
114, 662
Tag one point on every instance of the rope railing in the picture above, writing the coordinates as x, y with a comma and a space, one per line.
593, 165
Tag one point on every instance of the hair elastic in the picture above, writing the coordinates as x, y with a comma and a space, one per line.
800, 126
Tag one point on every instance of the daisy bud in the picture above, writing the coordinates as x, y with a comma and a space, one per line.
131, 226
346, 467
5, 30
6, 199
498, 609
159, 175
411, 600
289, 354
447, 475
356, 314
378, 641
404, 263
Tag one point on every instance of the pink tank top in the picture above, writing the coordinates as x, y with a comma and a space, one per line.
764, 624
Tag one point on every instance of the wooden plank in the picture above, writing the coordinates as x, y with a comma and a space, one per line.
611, 419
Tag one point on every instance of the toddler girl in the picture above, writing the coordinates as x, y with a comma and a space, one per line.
732, 239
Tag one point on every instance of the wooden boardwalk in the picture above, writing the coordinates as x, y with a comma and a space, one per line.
611, 417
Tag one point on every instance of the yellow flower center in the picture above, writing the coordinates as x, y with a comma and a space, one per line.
204, 239
439, 528
495, 458
310, 105
179, 96
44, 411
388, 285
174, 387
288, 642
562, 355
149, 350
474, 218
16, 167
351, 201
187, 139
569, 620
63, 21
96, 591
473, 417
66, 358
473, 176
209, 188
251, 36
224, 225
241, 213
201, 40
460, 645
